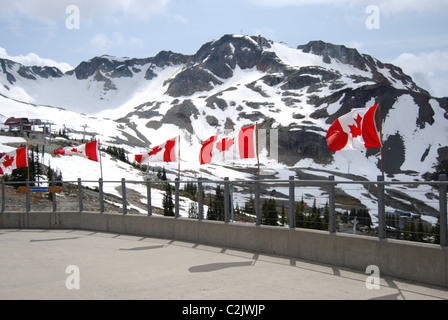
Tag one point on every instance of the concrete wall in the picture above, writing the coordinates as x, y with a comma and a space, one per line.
424, 263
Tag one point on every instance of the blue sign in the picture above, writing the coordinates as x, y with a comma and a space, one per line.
39, 189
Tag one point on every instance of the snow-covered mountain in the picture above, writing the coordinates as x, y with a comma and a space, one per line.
237, 81
232, 82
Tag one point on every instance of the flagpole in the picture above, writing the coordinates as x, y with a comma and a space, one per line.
258, 154
381, 137
178, 160
101, 159
27, 159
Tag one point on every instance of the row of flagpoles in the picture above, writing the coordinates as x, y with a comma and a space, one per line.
353, 131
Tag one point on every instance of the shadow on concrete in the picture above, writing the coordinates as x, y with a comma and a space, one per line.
56, 239
143, 248
220, 266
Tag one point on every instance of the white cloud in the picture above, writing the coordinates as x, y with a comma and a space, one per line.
428, 70
102, 43
143, 9
386, 6
33, 59
419, 6
51, 11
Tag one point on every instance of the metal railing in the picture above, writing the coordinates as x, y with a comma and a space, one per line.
93, 194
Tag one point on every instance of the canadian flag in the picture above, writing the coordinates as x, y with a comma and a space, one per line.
13, 160
241, 144
355, 130
163, 153
88, 151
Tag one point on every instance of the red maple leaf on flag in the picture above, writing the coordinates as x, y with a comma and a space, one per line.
356, 129
8, 161
225, 144
155, 151
76, 150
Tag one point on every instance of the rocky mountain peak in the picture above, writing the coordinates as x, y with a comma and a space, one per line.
339, 52
239, 80
217, 60
222, 56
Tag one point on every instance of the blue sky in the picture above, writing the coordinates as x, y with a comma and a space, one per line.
412, 34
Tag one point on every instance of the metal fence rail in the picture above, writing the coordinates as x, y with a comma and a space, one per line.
80, 189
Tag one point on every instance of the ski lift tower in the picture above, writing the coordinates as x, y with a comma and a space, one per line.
84, 135
44, 124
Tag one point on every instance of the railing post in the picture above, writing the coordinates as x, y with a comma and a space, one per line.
176, 200
27, 197
149, 196
381, 209
258, 201
331, 205
200, 200
123, 191
3, 196
226, 201
443, 219
55, 205
100, 182
292, 203
81, 204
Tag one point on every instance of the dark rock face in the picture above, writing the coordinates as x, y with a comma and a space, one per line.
126, 67
222, 56
7, 65
330, 51
180, 115
314, 88
214, 62
394, 149
299, 144
30, 73
88, 69
191, 81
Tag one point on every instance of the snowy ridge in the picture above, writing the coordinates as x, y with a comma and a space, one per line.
233, 82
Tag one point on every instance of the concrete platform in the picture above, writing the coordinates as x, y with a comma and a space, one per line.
35, 265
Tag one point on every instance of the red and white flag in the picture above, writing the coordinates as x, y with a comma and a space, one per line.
163, 153
88, 151
355, 130
13, 160
236, 145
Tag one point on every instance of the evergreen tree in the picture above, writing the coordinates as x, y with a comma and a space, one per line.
300, 214
314, 219
344, 217
191, 190
50, 174
219, 204
420, 231
216, 206
435, 230
364, 217
168, 203
326, 218
164, 178
283, 215
211, 209
249, 206
269, 214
